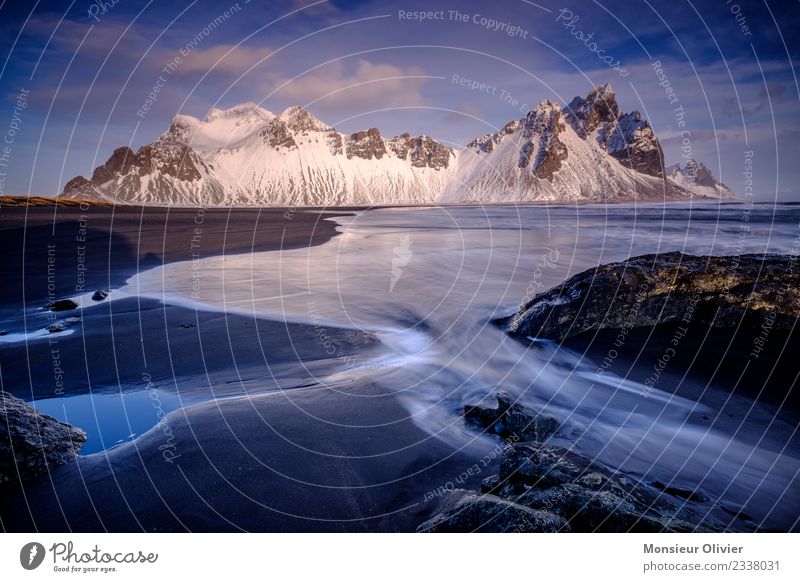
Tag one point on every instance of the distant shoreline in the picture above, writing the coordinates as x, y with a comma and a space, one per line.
45, 201
112, 243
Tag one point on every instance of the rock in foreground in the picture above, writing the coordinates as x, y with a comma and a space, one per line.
543, 488
62, 305
32, 443
510, 420
467, 511
99, 295
667, 287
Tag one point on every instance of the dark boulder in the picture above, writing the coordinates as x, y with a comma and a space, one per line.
490, 484
589, 496
32, 443
99, 295
723, 292
510, 420
62, 305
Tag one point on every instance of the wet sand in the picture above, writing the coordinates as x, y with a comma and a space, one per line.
277, 451
286, 461
703, 363
99, 247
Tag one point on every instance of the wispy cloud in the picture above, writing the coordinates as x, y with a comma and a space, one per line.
398, 69
367, 86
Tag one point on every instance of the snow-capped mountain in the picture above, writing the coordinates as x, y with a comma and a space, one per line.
587, 151
695, 177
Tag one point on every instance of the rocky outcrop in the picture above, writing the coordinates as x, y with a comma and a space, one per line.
165, 162
366, 145
422, 151
542, 488
597, 109
488, 141
32, 443
632, 142
589, 496
335, 142
467, 511
299, 120
119, 163
79, 188
510, 420
172, 159
62, 305
626, 137
277, 135
541, 130
668, 287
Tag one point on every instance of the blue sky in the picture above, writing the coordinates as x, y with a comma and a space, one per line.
85, 70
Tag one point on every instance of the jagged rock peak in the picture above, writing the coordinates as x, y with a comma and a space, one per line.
545, 116
702, 175
633, 143
542, 128
119, 163
696, 173
486, 142
366, 144
598, 107
423, 151
298, 119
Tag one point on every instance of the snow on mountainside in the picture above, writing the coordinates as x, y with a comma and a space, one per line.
695, 177
221, 128
587, 151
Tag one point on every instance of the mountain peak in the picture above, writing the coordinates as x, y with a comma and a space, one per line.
598, 107
696, 172
297, 118
695, 175
603, 90
220, 128
244, 111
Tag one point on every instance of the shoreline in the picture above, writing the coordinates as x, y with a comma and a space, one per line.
275, 408
62, 252
278, 443
54, 202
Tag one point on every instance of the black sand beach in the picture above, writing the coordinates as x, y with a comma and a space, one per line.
257, 440
98, 247
277, 453
286, 461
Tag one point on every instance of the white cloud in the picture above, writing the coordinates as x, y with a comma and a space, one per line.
370, 86
222, 58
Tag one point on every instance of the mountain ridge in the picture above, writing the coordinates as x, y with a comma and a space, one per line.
586, 151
